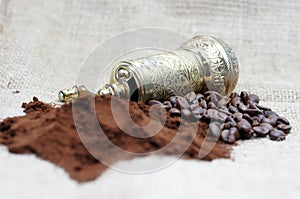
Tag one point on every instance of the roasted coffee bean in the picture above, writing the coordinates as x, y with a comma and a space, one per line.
261, 117
277, 135
231, 121
186, 113
267, 125
181, 103
266, 120
254, 98
244, 125
279, 126
253, 112
173, 100
226, 126
227, 137
235, 101
238, 116
155, 102
271, 114
256, 118
174, 112
285, 128
191, 96
214, 129
203, 104
246, 135
242, 107
255, 122
234, 131
244, 96
232, 109
261, 131
282, 120
211, 105
273, 118
244, 128
269, 121
248, 118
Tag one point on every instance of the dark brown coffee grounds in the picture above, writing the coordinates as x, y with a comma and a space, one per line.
36, 105
50, 133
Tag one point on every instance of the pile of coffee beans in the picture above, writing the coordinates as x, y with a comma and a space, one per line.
239, 116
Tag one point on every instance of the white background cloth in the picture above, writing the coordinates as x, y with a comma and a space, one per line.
42, 46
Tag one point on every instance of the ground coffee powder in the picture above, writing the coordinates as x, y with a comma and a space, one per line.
51, 134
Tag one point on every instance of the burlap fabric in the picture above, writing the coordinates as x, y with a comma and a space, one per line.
42, 46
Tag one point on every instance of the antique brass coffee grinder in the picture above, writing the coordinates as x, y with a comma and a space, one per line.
200, 64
